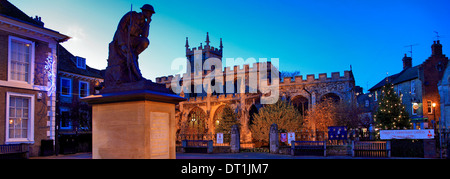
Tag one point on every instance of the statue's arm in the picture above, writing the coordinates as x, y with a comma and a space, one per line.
146, 28
123, 30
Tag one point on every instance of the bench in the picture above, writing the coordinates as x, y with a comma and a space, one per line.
371, 149
197, 146
317, 148
14, 151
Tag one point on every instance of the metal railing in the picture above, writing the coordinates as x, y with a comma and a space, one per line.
14, 151
345, 138
371, 149
204, 136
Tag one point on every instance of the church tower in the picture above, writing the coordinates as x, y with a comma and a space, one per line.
207, 51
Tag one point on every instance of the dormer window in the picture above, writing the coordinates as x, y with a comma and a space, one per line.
81, 62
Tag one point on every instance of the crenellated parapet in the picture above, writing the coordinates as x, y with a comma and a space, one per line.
236, 70
210, 49
246, 69
322, 78
214, 98
217, 52
164, 79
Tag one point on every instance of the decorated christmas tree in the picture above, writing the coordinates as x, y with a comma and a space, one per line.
391, 113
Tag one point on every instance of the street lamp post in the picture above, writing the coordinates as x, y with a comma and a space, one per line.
438, 128
434, 115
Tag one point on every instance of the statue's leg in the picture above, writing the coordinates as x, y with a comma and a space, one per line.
135, 68
141, 43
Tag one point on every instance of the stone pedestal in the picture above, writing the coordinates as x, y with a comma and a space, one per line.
133, 125
273, 139
235, 142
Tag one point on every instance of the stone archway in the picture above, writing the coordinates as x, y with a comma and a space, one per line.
252, 111
196, 122
301, 103
217, 117
332, 96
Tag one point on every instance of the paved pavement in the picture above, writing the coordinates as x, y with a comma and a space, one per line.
224, 156
68, 156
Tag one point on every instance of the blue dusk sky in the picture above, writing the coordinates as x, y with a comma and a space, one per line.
310, 36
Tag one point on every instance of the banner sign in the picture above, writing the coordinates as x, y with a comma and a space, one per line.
337, 133
220, 138
291, 137
283, 137
407, 134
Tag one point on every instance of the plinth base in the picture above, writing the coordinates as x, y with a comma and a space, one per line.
133, 125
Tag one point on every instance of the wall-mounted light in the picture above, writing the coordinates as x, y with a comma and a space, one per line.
415, 106
39, 96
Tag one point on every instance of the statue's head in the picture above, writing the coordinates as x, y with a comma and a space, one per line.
148, 10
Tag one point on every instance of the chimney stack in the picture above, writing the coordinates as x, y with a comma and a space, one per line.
407, 62
436, 48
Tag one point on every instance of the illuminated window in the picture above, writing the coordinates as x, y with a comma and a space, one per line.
20, 59
376, 96
20, 123
429, 107
196, 123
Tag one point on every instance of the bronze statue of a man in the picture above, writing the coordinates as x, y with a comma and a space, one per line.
130, 40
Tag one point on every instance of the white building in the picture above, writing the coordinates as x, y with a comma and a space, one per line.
444, 88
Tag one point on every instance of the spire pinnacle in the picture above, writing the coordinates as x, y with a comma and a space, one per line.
221, 45
187, 43
207, 39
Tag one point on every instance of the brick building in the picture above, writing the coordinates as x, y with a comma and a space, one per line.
444, 93
417, 87
27, 78
75, 80
430, 72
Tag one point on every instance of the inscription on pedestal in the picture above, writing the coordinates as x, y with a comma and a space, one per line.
159, 135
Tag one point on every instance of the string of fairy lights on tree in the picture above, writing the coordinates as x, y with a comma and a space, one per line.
391, 113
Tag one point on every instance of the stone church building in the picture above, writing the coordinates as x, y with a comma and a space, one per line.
202, 109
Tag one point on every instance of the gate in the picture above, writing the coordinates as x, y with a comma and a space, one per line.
371, 149
443, 141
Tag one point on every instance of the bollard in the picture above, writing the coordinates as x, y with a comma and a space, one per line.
210, 146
